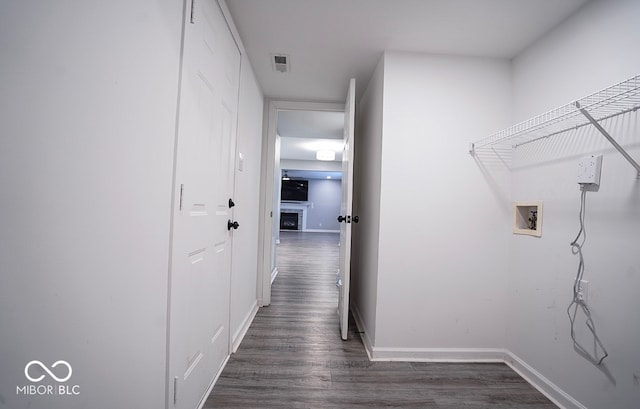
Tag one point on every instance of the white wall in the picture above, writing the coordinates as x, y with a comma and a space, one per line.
588, 52
87, 144
444, 260
87, 129
366, 204
443, 230
331, 166
247, 199
277, 184
593, 49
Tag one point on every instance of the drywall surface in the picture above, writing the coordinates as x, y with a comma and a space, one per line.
88, 132
366, 203
247, 200
591, 50
444, 219
331, 166
324, 196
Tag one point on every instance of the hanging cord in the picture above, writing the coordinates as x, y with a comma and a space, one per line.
577, 302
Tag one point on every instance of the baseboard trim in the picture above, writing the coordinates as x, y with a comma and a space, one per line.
238, 336
274, 274
320, 231
556, 395
362, 330
203, 400
439, 354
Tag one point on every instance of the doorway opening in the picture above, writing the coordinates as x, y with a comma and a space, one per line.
302, 193
310, 192
272, 182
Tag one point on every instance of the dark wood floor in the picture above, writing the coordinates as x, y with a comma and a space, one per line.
293, 357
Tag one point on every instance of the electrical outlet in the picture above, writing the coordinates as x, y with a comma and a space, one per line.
583, 291
589, 169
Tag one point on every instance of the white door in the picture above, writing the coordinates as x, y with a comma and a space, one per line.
345, 210
201, 244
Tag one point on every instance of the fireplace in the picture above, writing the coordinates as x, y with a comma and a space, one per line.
293, 216
289, 221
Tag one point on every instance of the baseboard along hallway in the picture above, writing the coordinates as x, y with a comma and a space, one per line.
292, 355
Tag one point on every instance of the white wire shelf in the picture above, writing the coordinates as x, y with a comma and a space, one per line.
615, 100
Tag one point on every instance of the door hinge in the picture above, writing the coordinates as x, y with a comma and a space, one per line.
181, 192
175, 390
193, 2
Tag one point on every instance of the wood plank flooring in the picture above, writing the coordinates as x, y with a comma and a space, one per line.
293, 357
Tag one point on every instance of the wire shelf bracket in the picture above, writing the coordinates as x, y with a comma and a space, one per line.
609, 138
615, 100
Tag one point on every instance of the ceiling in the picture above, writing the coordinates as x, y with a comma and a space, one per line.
303, 133
310, 124
330, 41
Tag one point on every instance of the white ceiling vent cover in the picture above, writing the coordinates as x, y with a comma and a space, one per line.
280, 62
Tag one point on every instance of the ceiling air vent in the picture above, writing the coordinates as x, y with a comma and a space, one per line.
280, 62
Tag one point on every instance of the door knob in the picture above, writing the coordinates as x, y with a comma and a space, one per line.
231, 203
355, 219
341, 219
232, 225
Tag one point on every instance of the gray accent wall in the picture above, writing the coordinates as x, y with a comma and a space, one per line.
325, 196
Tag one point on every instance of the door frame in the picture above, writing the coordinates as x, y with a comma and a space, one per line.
268, 196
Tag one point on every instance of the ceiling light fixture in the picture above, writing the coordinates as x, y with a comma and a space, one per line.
325, 155
336, 145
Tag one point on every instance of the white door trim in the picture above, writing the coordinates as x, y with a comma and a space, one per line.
269, 168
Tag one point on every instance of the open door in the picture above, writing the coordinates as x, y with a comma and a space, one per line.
345, 217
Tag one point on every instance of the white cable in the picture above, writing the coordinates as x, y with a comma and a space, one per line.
576, 248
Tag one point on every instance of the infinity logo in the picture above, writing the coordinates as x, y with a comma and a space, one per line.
44, 367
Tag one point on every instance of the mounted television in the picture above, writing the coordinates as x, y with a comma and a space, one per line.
295, 190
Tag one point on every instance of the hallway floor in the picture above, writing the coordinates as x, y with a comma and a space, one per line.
293, 357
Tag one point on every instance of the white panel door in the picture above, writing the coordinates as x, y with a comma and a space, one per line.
345, 211
201, 245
